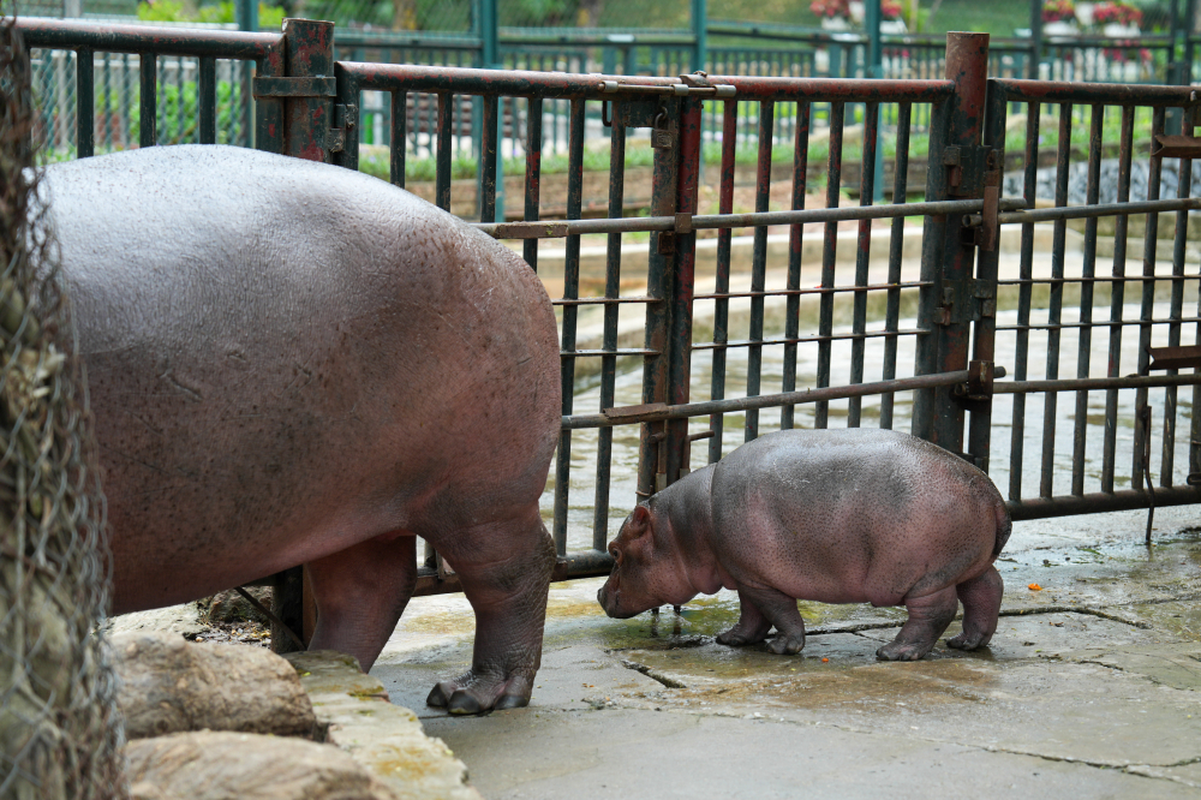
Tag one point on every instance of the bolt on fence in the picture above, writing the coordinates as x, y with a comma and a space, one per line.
60, 734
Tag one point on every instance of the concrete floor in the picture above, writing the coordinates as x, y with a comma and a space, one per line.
1091, 688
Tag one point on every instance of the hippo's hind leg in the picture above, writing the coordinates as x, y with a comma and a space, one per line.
981, 598
762, 608
929, 616
360, 593
507, 587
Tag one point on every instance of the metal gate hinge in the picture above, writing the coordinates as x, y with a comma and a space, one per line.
345, 118
971, 169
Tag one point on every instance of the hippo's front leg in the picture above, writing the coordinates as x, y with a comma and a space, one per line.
509, 597
763, 607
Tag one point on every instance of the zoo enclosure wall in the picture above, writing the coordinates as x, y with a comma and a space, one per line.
1035, 247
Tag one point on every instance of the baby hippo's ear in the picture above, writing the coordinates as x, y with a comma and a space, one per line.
638, 525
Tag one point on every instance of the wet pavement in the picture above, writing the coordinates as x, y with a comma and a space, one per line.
1090, 688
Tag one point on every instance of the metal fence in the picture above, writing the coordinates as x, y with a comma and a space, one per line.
59, 732
781, 293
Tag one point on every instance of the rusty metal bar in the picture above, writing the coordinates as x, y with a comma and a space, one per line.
604, 445
1088, 272
398, 135
147, 100
754, 369
72, 35
442, 157
1110, 94
488, 158
825, 322
533, 174
1055, 310
721, 306
800, 170
1017, 436
867, 191
658, 412
892, 312
1142, 428
571, 289
206, 99
1184, 184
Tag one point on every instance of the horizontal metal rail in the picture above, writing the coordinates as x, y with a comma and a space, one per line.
1031, 215
660, 412
1115, 94
686, 223
63, 35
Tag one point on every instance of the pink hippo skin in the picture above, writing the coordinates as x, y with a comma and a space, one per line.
835, 516
294, 363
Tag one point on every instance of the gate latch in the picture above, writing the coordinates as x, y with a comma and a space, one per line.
296, 87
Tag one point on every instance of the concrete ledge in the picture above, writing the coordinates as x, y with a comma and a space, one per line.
386, 739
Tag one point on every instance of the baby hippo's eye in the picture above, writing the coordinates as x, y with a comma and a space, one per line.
613, 552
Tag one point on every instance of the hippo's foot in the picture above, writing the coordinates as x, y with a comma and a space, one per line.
929, 616
904, 651
469, 694
738, 636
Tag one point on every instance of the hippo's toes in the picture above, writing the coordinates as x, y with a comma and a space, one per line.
734, 638
464, 700
786, 645
964, 641
903, 651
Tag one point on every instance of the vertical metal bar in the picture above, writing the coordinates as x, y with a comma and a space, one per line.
206, 100
85, 103
754, 367
604, 445
269, 111
867, 191
1055, 305
825, 321
1117, 300
1025, 300
533, 174
892, 313
947, 262
442, 154
1183, 189
399, 147
987, 272
683, 288
721, 307
147, 100
792, 324
488, 159
571, 291
347, 114
1147, 311
1089, 271
659, 278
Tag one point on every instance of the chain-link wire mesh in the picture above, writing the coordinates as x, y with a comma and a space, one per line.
59, 731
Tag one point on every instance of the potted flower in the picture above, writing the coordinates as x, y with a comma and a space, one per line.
1059, 17
1118, 19
834, 14
892, 17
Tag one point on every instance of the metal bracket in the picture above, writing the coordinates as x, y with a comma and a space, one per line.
1167, 146
978, 387
319, 86
971, 169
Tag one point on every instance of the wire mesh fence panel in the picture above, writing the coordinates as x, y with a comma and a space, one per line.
59, 731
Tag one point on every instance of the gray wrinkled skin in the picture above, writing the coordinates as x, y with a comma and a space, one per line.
834, 516
293, 363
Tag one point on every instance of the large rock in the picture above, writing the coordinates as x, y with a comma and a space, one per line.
169, 685
220, 765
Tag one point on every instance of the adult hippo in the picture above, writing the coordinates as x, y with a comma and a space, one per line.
293, 363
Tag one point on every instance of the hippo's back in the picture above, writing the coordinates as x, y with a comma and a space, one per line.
284, 357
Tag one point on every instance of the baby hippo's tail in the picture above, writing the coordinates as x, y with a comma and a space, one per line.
1004, 525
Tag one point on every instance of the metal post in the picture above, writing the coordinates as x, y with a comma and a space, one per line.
700, 42
948, 303
308, 109
1036, 39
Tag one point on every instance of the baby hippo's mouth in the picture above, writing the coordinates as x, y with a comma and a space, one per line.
610, 601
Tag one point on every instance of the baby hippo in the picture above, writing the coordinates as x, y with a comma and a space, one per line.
835, 516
